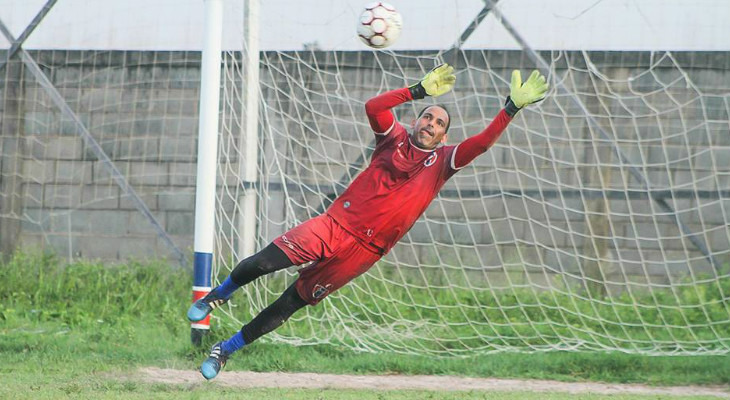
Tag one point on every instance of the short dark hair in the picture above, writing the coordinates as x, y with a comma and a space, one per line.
448, 123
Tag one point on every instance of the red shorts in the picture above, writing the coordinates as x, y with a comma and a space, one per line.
338, 256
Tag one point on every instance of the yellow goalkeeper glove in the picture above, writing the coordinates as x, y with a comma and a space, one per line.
437, 82
522, 94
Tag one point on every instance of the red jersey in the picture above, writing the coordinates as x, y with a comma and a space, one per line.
386, 199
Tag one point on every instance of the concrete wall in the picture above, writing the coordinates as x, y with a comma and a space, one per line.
142, 109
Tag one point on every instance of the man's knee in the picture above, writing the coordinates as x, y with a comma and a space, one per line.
272, 258
266, 261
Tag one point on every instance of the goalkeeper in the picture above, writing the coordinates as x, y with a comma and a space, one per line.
406, 172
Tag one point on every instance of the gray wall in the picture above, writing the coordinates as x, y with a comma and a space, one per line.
142, 108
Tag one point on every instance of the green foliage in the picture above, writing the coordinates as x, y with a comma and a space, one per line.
692, 317
38, 287
59, 323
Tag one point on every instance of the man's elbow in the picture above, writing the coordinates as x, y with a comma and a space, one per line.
371, 107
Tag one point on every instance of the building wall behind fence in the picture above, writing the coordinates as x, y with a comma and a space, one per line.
142, 108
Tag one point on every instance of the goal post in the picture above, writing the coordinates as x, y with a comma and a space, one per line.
247, 219
207, 159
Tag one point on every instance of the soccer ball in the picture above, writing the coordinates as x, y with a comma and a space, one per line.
379, 25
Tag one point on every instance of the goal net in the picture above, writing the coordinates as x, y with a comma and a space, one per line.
598, 221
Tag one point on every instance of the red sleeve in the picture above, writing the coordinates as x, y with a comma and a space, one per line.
470, 148
378, 108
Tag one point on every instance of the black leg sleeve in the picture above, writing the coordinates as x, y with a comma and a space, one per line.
266, 261
274, 315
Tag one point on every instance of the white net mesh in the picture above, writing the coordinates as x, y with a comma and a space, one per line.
104, 143
599, 221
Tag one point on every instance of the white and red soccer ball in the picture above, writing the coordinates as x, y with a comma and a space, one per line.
379, 25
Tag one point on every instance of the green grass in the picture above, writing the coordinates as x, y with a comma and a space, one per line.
70, 331
86, 389
643, 318
447, 310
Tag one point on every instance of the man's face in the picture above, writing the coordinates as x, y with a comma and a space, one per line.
430, 128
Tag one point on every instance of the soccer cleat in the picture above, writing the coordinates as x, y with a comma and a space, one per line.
202, 307
215, 362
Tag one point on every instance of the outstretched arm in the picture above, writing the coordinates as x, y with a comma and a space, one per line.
472, 147
437, 82
378, 109
521, 95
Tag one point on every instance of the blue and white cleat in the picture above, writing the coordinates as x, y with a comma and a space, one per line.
215, 362
202, 307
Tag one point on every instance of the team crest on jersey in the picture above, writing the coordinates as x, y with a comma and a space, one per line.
320, 291
430, 160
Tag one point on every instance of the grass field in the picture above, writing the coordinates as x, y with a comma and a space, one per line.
81, 331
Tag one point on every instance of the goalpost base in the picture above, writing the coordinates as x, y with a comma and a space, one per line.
196, 336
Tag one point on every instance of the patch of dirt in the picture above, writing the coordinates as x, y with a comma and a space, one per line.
245, 379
